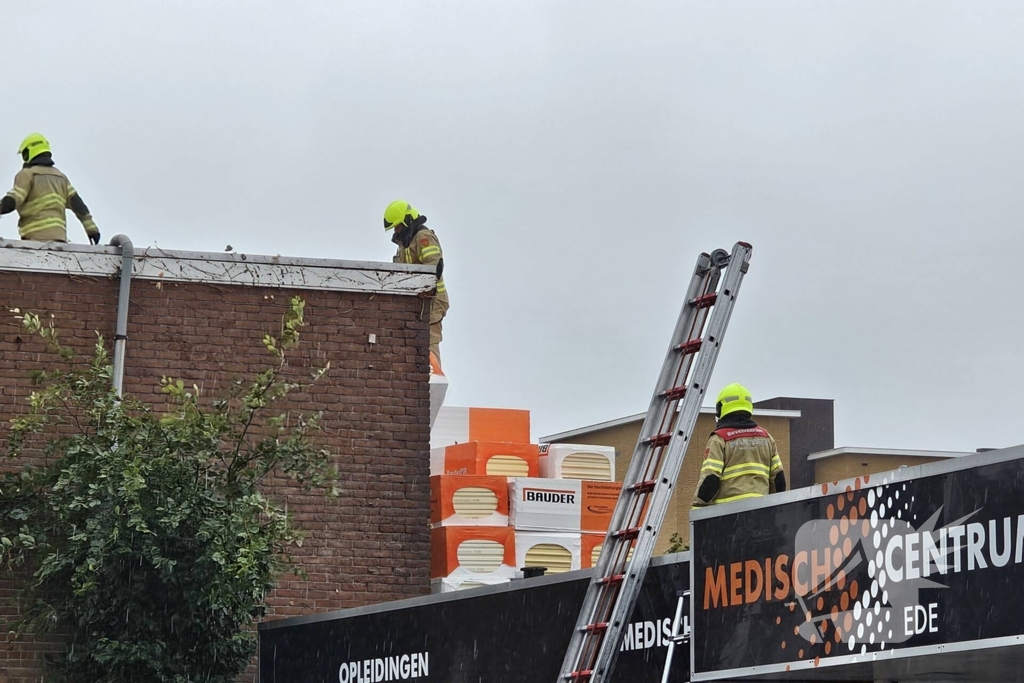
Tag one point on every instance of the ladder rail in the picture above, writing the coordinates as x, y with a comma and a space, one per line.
677, 450
624, 509
614, 556
652, 472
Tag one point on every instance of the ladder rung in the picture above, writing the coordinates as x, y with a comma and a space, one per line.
591, 628
579, 675
614, 578
674, 394
705, 301
629, 534
643, 486
691, 346
658, 439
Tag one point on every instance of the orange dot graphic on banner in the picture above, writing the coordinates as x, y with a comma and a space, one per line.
847, 547
830, 511
833, 535
853, 513
848, 622
792, 606
824, 625
865, 529
867, 478
857, 484
840, 503
800, 654
844, 526
841, 579
837, 557
844, 602
821, 602
796, 630
817, 661
783, 645
839, 634
835, 612
807, 616
814, 639
863, 506
853, 590
824, 489
778, 620
828, 647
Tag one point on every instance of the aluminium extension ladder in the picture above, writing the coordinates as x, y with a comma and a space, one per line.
650, 480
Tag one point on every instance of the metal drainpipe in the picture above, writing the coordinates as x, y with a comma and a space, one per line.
121, 333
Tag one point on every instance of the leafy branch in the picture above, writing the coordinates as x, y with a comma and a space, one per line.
146, 538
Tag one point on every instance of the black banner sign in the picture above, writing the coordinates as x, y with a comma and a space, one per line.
882, 564
478, 636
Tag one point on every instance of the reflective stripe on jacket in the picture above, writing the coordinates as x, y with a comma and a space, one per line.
42, 195
745, 460
426, 250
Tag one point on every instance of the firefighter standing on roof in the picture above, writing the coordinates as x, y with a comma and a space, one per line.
42, 194
740, 460
418, 244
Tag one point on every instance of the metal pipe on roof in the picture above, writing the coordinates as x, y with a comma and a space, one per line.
121, 331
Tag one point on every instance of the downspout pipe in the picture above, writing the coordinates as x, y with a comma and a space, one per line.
121, 332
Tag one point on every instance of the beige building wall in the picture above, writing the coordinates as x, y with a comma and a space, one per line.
677, 520
851, 465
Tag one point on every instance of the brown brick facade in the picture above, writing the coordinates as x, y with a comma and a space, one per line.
852, 465
369, 545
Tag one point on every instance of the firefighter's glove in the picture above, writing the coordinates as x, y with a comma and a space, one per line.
94, 238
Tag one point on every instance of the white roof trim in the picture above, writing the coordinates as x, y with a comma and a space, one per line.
706, 410
151, 263
850, 450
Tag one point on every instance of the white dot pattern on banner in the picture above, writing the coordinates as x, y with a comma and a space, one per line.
859, 522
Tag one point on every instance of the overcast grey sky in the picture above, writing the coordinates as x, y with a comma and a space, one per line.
574, 158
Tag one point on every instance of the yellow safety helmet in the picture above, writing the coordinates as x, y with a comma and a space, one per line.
733, 398
33, 146
399, 213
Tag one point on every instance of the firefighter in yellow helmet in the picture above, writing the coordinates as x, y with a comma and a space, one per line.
418, 244
42, 194
740, 460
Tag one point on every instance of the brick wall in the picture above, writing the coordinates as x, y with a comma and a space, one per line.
677, 518
369, 545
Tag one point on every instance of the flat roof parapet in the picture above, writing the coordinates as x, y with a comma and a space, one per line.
223, 268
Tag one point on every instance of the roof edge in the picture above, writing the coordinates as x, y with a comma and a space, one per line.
909, 453
152, 263
618, 422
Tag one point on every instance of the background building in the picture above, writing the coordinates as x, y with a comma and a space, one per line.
803, 428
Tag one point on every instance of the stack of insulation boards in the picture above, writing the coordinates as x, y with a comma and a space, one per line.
499, 503
476, 451
561, 517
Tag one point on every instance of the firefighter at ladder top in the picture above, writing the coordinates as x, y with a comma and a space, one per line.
740, 460
418, 244
42, 194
